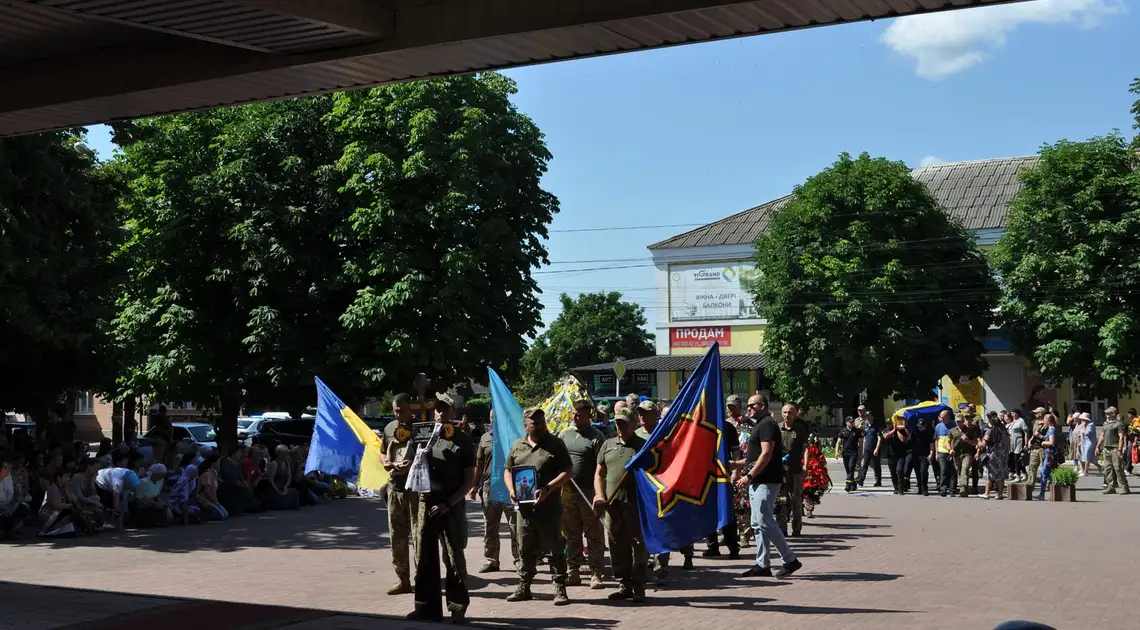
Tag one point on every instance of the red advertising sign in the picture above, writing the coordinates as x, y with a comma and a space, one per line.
699, 336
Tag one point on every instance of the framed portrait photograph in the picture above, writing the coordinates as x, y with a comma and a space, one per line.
421, 432
526, 483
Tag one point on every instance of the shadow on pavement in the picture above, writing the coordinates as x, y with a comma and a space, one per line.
588, 623
57, 608
846, 577
342, 524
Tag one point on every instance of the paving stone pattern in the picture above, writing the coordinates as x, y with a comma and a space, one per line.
870, 561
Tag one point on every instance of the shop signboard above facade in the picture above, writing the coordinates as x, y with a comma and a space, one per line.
711, 291
700, 336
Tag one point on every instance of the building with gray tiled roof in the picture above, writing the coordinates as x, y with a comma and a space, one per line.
976, 193
702, 279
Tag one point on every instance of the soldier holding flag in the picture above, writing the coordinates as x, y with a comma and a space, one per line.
615, 497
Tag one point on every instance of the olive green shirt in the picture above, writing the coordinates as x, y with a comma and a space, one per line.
583, 445
794, 439
397, 451
642, 433
450, 456
964, 448
483, 461
1114, 432
613, 455
549, 458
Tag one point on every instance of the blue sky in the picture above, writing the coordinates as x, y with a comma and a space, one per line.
691, 134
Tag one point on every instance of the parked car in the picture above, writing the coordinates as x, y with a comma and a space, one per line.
248, 427
14, 425
288, 431
185, 435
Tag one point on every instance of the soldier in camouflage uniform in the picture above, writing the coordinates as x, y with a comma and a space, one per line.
396, 457
615, 498
582, 441
493, 512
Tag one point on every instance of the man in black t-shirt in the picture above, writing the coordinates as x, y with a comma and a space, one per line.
763, 475
847, 444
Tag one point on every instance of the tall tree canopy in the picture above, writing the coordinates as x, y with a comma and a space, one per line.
362, 237
592, 328
1135, 89
867, 284
58, 228
1069, 273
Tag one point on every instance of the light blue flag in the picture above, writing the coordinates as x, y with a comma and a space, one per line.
506, 429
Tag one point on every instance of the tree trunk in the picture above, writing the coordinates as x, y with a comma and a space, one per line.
227, 423
117, 436
874, 404
130, 419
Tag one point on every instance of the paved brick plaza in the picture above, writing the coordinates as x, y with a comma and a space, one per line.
870, 562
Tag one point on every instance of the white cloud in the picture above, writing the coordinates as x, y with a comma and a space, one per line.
931, 160
949, 42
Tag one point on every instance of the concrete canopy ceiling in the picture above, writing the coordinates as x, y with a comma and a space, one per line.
77, 62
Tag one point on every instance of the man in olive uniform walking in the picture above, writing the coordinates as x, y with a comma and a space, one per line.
793, 437
396, 457
1114, 439
493, 512
443, 519
615, 497
582, 441
964, 442
1036, 451
539, 524
649, 415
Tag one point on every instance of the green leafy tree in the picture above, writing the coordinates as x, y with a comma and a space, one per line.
361, 237
58, 227
1069, 274
1135, 89
592, 328
867, 284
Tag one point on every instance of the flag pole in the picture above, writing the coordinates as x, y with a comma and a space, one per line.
580, 493
613, 493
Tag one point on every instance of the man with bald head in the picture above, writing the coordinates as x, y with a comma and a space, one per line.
763, 476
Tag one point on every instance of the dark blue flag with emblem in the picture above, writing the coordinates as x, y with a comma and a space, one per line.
682, 474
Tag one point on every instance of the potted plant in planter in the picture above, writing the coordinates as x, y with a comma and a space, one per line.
1064, 486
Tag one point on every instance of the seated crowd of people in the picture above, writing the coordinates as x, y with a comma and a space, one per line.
64, 490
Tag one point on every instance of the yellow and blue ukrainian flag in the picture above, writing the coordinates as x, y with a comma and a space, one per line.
343, 445
682, 472
911, 414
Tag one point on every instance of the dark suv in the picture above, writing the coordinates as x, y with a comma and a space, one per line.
288, 431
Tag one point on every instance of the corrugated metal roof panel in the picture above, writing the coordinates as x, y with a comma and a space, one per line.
976, 193
216, 20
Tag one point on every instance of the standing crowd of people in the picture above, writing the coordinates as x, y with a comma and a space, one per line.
583, 502
1003, 448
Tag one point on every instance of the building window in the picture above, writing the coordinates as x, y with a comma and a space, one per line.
84, 402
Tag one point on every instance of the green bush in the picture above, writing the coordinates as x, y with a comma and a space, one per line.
1064, 476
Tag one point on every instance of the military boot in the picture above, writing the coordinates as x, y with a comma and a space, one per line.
521, 594
560, 597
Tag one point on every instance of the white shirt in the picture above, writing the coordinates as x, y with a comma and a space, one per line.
112, 479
